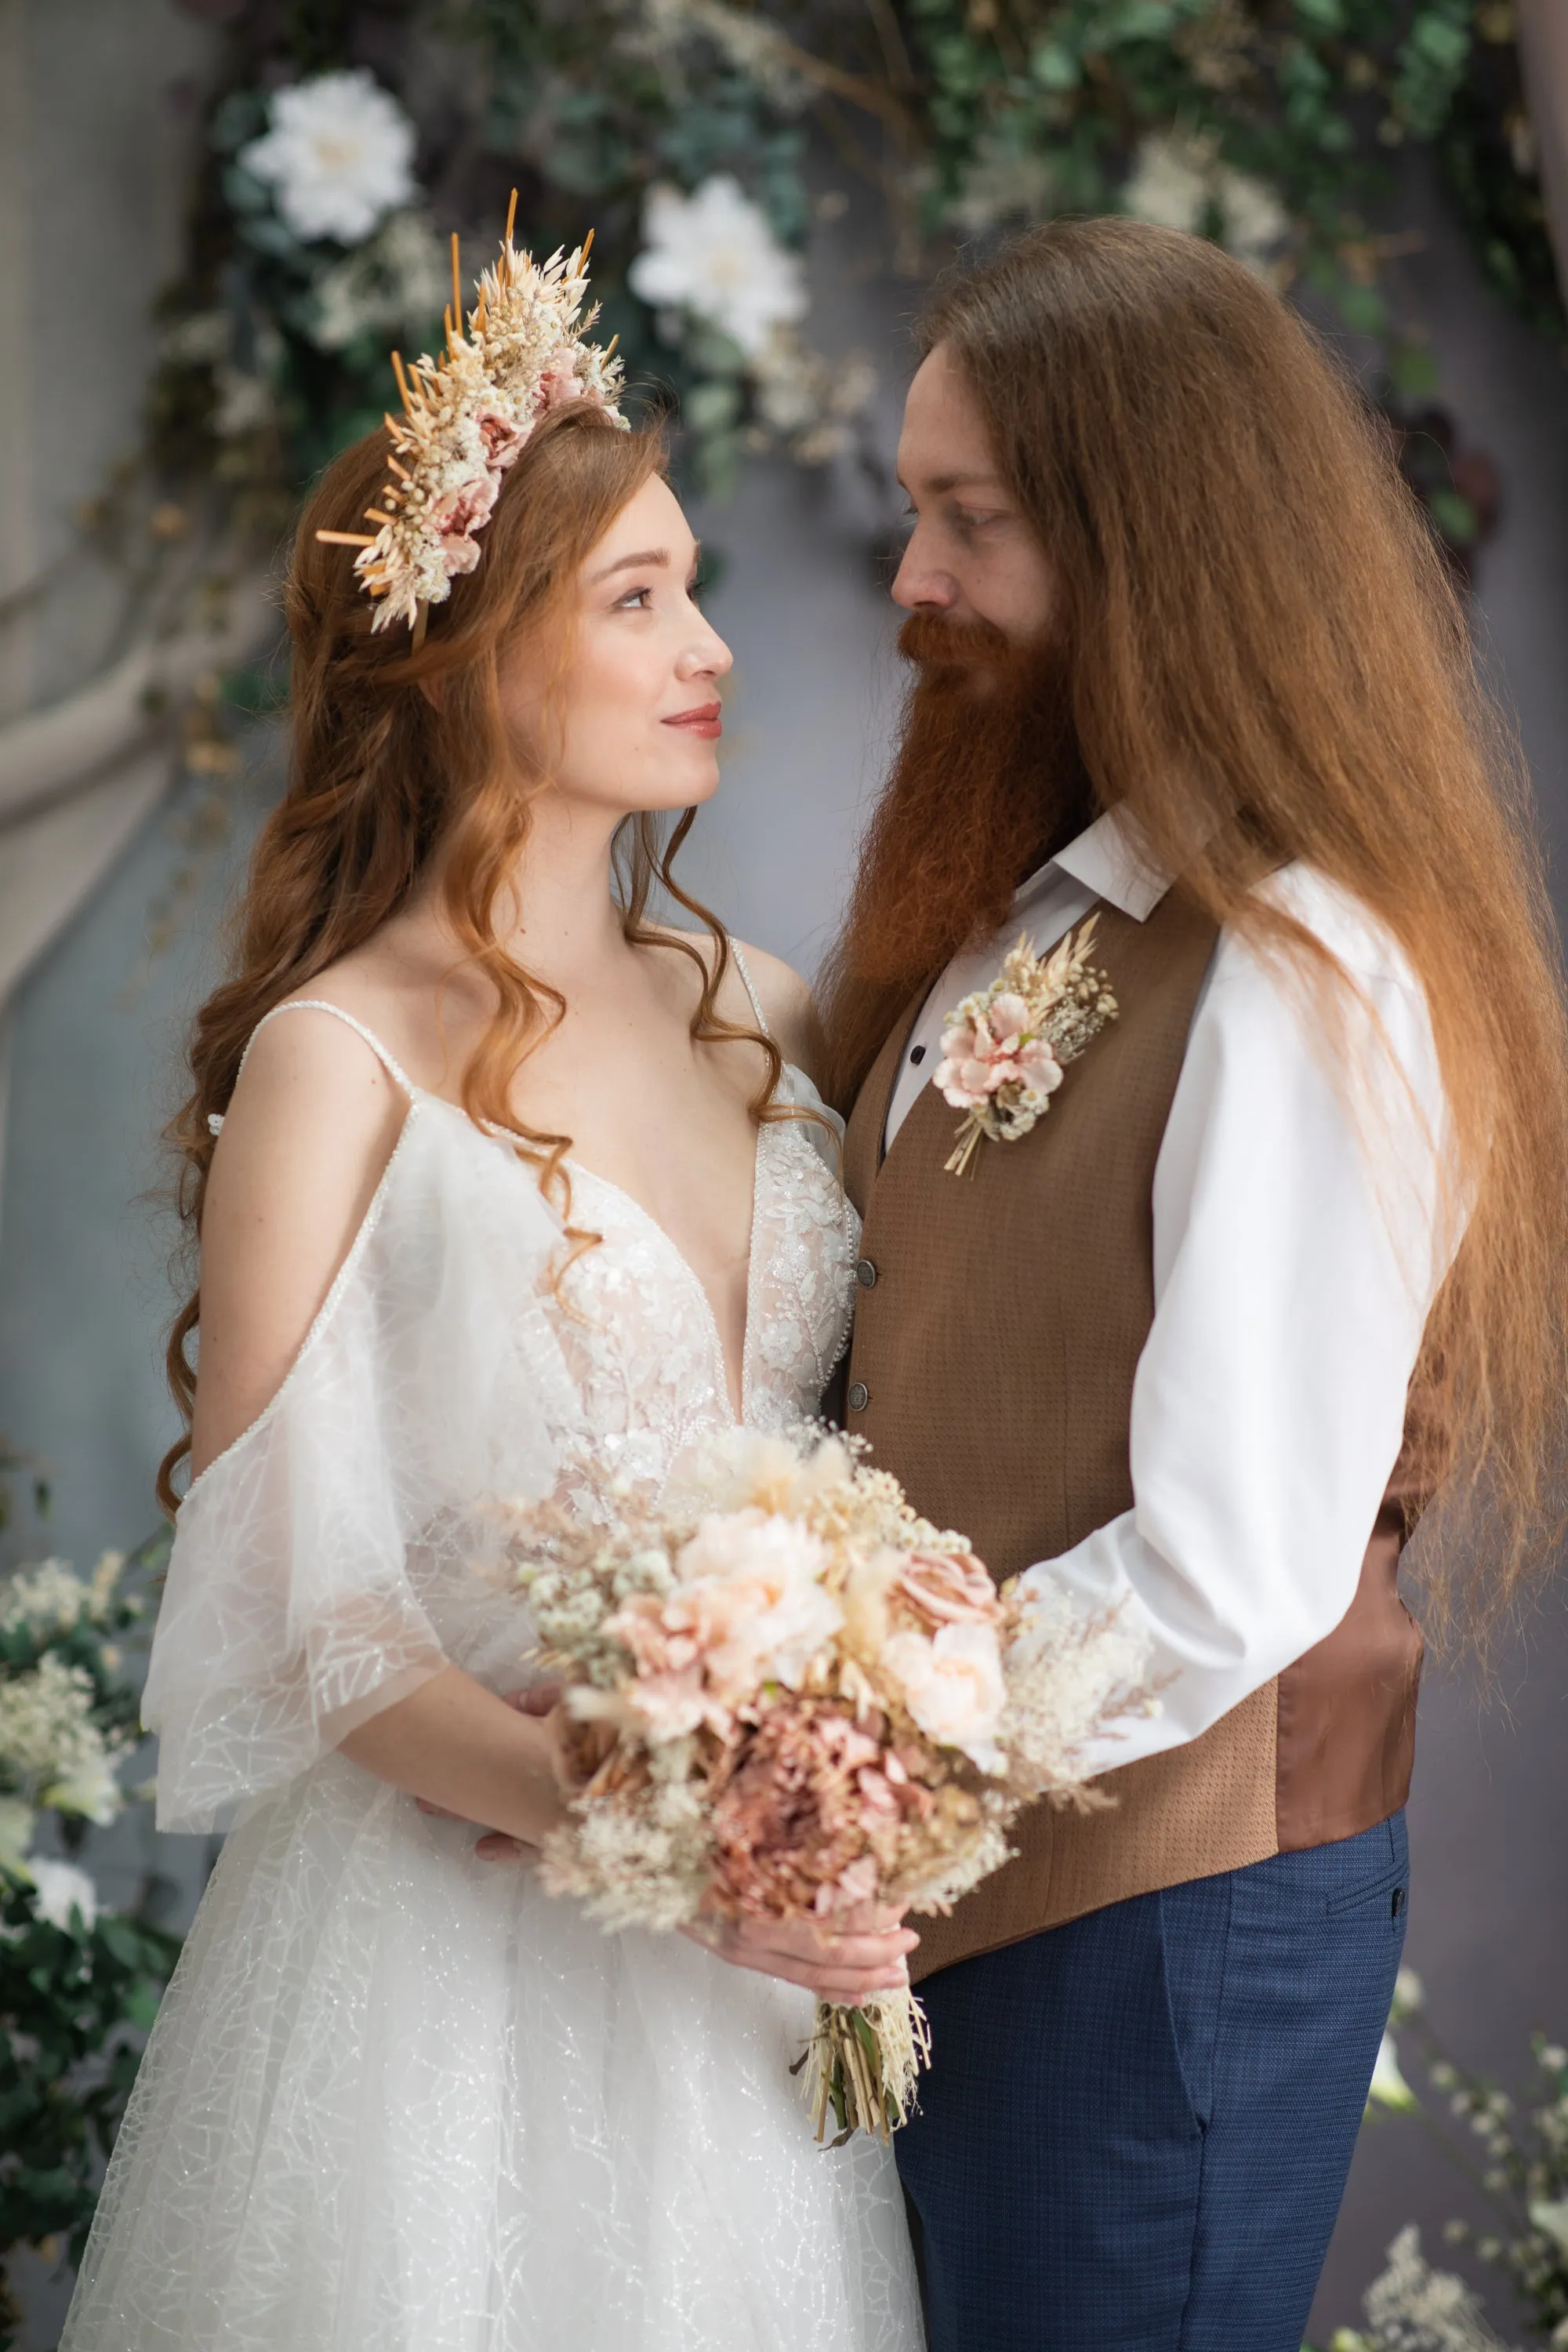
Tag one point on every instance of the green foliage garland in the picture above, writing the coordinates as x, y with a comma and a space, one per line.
80, 1984
1267, 124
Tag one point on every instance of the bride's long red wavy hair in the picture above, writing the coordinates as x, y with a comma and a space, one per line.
381, 769
1264, 661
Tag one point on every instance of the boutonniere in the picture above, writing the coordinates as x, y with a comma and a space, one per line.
1004, 1048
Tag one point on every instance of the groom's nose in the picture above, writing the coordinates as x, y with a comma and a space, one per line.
919, 582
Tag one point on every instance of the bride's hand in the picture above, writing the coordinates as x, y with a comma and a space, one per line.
539, 1700
864, 1954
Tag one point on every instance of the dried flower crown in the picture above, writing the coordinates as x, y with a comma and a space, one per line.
520, 353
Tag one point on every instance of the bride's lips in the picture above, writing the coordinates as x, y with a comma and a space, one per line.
707, 720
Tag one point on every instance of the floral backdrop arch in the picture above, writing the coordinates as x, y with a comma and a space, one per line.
697, 137
340, 143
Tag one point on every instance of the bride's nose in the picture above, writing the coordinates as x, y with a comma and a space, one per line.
706, 656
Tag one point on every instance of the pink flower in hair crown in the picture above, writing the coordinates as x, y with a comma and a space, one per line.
1004, 1048
559, 383
458, 513
503, 436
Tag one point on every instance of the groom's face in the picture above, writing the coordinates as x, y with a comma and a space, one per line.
970, 556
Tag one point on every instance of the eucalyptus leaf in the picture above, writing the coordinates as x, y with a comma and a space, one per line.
1055, 66
1455, 517
711, 408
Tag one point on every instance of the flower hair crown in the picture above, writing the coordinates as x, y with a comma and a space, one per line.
518, 353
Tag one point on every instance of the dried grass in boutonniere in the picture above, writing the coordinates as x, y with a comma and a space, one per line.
1004, 1048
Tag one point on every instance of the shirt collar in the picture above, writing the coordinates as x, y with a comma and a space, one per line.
1108, 857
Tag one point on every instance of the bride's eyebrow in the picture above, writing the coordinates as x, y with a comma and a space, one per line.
650, 558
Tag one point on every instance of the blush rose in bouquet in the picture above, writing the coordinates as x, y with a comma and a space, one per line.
788, 1696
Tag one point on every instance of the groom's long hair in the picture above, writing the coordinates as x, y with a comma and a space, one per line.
1261, 657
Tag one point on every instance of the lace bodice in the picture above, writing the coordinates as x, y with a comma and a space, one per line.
333, 1556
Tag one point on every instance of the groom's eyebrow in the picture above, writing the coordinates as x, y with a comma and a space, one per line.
939, 485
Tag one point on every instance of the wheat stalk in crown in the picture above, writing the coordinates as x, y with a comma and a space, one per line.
518, 353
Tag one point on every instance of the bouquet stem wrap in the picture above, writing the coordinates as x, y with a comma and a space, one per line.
862, 2066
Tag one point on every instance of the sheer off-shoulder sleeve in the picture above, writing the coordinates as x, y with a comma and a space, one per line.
327, 1564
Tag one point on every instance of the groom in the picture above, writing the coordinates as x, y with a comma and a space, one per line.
1158, 1351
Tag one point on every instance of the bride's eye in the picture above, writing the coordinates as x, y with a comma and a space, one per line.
634, 600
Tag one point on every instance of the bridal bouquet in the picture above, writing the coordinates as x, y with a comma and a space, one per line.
788, 1696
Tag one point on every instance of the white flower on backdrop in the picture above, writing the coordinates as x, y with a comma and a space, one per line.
1177, 175
1413, 2308
58, 1889
52, 1594
1388, 2088
714, 255
1550, 2216
338, 155
397, 283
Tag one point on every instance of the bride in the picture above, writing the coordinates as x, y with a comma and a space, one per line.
505, 1171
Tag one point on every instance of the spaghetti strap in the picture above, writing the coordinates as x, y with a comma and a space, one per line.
322, 1004
750, 987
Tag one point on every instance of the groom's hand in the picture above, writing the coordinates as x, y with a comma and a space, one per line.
847, 1963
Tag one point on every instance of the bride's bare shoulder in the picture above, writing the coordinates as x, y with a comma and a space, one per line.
304, 1141
789, 1008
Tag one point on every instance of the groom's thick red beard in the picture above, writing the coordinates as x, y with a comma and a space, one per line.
986, 782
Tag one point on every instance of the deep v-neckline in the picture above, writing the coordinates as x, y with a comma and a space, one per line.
646, 1217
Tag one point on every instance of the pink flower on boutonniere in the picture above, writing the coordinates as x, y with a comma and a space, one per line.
1004, 1049
994, 1050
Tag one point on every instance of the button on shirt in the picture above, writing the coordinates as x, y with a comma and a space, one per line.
1297, 1252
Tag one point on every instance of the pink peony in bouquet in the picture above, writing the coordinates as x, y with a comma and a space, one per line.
789, 1697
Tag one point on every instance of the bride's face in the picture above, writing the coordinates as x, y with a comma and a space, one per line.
632, 719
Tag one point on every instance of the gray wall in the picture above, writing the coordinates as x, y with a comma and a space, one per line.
83, 1285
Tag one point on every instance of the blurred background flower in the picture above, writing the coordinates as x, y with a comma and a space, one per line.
713, 255
338, 156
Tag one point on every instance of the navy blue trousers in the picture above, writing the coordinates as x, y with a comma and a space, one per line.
1136, 2129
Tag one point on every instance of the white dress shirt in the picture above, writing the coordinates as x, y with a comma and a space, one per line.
1297, 1254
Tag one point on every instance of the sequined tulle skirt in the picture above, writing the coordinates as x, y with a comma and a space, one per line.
398, 2100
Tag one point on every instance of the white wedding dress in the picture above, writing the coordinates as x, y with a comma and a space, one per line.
398, 2099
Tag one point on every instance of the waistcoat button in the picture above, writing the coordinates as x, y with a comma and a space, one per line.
865, 1273
859, 1396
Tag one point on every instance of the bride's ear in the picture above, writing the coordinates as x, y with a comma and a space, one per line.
434, 689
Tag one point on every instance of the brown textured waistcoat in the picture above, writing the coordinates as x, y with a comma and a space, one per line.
997, 1341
